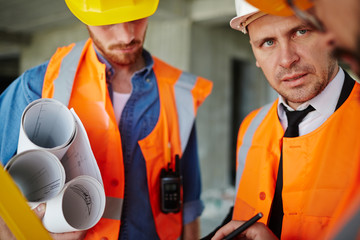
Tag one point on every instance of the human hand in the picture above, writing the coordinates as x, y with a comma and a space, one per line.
5, 232
257, 231
78, 235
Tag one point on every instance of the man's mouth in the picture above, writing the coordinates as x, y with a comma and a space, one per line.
125, 47
293, 77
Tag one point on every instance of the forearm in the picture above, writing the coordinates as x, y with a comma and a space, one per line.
192, 230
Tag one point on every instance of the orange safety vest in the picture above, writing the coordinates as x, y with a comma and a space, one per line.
346, 223
347, 217
318, 168
76, 77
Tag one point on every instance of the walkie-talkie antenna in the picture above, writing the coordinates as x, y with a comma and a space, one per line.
177, 164
168, 156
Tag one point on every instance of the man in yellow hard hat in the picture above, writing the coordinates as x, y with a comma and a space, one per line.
295, 168
337, 18
139, 113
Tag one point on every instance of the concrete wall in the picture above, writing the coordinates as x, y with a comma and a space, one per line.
169, 40
44, 43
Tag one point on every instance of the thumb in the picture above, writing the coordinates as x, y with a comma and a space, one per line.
40, 210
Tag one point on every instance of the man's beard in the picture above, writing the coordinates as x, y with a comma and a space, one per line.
123, 58
119, 58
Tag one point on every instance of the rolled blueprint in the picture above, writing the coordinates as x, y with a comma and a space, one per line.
39, 175
46, 124
79, 206
55, 164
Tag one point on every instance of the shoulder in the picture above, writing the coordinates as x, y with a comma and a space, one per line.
25, 89
260, 113
256, 117
170, 74
158, 62
28, 86
165, 70
32, 81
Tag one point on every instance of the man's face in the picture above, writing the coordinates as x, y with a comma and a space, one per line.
342, 19
122, 43
292, 57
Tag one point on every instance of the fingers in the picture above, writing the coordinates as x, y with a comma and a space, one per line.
227, 229
40, 210
259, 231
5, 232
78, 235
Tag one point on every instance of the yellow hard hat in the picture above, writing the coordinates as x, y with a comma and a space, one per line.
107, 12
280, 7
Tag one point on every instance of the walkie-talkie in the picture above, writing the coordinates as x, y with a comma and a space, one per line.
170, 184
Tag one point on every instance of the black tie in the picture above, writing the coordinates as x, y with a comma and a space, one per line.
277, 212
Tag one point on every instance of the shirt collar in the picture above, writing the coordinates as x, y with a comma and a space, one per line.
149, 63
325, 102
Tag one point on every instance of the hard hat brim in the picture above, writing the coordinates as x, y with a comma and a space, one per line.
240, 23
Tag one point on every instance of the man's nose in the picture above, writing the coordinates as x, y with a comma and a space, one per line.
124, 32
288, 56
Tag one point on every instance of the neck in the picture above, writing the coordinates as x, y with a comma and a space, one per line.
121, 81
293, 105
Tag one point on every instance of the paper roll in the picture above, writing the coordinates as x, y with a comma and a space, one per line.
39, 175
79, 206
46, 124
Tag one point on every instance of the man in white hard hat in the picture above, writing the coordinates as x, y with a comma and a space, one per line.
340, 19
139, 113
296, 157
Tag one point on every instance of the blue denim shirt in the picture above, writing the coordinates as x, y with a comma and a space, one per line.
138, 119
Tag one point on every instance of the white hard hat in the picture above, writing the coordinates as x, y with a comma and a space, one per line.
246, 14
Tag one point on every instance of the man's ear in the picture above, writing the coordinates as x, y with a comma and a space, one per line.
257, 64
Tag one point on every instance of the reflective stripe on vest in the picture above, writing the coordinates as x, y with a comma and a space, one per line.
244, 148
185, 106
113, 208
63, 84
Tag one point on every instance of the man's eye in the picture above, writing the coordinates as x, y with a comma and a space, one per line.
268, 43
301, 32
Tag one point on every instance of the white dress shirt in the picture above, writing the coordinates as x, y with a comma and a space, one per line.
324, 104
